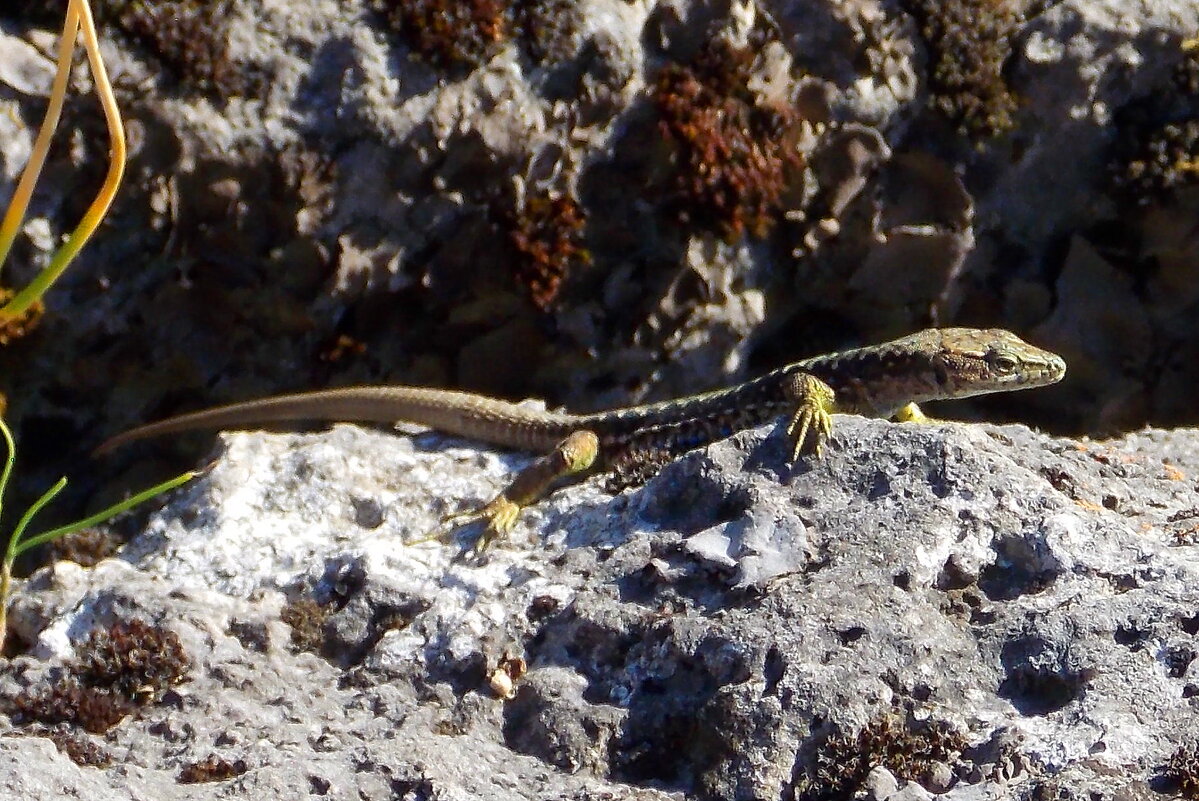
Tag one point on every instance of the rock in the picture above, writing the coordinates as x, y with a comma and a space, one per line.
911, 792
297, 172
938, 778
880, 784
1063, 648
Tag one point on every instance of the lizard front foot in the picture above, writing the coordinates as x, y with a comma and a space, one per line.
811, 422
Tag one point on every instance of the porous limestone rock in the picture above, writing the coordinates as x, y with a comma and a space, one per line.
974, 611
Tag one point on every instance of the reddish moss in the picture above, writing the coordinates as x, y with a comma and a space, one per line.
132, 658
119, 668
911, 751
732, 156
67, 701
545, 28
252, 634
1181, 773
307, 621
86, 547
449, 33
76, 746
968, 43
211, 769
547, 235
190, 38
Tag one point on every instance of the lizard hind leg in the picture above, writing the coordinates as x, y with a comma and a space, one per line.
573, 455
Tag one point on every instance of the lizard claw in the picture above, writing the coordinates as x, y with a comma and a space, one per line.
809, 427
911, 413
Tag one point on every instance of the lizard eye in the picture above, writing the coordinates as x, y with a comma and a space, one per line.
1003, 363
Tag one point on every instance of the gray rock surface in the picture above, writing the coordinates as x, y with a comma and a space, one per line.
966, 611
345, 182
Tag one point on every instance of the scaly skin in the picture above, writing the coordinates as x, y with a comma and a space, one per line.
879, 381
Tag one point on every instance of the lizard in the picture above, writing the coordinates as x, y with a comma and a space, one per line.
886, 380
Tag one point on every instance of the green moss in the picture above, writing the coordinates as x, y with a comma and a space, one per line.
1186, 71
1156, 149
1159, 161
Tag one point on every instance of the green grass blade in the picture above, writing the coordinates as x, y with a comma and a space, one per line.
101, 516
11, 460
16, 547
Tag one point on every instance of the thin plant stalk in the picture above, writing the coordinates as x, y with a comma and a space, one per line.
78, 19
63, 257
6, 566
15, 546
15, 214
18, 543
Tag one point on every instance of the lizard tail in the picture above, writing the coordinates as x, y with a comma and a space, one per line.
486, 419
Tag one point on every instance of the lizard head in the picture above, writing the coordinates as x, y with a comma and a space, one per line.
972, 361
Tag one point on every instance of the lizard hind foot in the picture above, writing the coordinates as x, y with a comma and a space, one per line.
500, 516
573, 455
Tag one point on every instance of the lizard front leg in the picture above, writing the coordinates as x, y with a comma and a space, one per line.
572, 455
811, 422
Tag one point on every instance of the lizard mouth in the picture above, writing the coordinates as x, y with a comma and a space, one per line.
1049, 371
1030, 375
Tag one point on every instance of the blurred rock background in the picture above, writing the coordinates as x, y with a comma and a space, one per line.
600, 202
